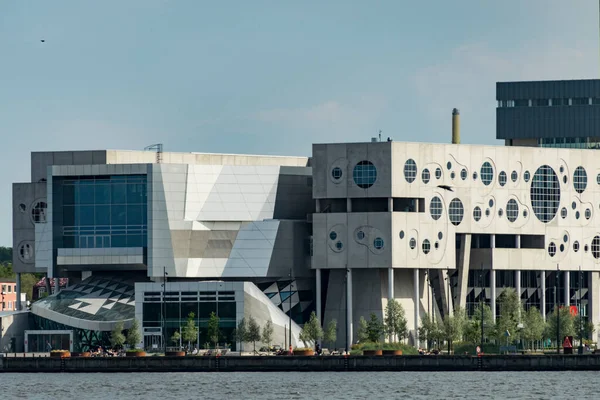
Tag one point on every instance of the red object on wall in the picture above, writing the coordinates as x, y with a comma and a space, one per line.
573, 310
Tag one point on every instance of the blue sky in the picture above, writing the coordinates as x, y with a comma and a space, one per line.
269, 77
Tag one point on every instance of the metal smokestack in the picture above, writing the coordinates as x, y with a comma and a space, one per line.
455, 126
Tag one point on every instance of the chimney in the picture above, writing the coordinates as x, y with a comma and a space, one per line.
455, 126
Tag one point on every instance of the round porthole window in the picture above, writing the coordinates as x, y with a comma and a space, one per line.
512, 210
598, 179
38, 212
576, 246
565, 238
412, 243
514, 176
491, 202
449, 165
436, 245
500, 212
526, 176
22, 208
474, 176
579, 179
425, 176
487, 212
339, 245
545, 193
435, 208
563, 212
463, 174
332, 235
336, 173
573, 205
410, 170
25, 252
360, 235
426, 246
401, 234
440, 235
577, 214
477, 213
378, 243
487, 173
365, 174
456, 211
438, 173
502, 178
452, 175
596, 247
562, 247
524, 213
552, 249
561, 169
588, 213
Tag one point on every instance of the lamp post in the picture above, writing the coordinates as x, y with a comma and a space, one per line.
481, 302
579, 311
290, 302
557, 306
163, 309
346, 284
1, 326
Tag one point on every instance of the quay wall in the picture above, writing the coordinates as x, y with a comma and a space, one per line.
299, 364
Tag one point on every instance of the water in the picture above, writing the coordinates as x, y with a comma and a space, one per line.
302, 385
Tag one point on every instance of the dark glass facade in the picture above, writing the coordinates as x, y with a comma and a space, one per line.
102, 211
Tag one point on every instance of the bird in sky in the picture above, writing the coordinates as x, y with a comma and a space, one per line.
43, 41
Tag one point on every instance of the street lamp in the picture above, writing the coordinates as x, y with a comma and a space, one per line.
579, 311
481, 283
557, 306
163, 310
290, 302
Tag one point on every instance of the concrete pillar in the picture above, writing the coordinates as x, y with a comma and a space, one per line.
567, 288
56, 283
518, 241
318, 294
593, 297
416, 205
463, 270
390, 283
492, 241
417, 303
493, 293
349, 306
19, 305
390, 204
444, 289
348, 205
318, 205
85, 274
543, 295
518, 288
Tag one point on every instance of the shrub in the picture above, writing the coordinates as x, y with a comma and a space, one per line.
135, 350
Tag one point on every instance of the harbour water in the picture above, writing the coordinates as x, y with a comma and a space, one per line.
300, 385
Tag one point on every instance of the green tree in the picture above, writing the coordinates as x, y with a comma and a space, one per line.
588, 329
566, 328
395, 324
241, 333
510, 311
363, 330
330, 333
253, 332
176, 338
117, 339
452, 326
311, 331
189, 333
472, 327
133, 334
267, 333
212, 329
427, 329
533, 326
28, 281
374, 329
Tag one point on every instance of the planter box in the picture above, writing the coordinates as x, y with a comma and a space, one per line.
135, 354
392, 352
372, 352
82, 354
60, 354
304, 352
175, 353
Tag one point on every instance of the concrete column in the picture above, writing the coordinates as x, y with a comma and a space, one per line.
518, 288
493, 293
318, 294
390, 283
56, 283
417, 302
463, 270
416, 205
390, 204
19, 305
348, 205
567, 288
349, 306
518, 241
493, 241
318, 205
85, 274
593, 297
543, 296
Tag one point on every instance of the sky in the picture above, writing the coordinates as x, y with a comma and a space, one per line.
269, 77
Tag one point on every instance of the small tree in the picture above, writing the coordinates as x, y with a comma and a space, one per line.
241, 333
253, 333
533, 325
189, 333
566, 327
510, 311
311, 331
267, 333
330, 333
363, 330
395, 321
374, 329
452, 327
176, 338
427, 329
117, 339
212, 329
133, 334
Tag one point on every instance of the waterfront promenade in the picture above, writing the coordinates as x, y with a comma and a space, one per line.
297, 363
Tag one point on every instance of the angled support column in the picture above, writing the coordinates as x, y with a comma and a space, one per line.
567, 288
318, 294
417, 303
518, 288
349, 306
19, 305
543, 294
463, 270
493, 293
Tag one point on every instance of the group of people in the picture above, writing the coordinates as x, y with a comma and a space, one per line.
425, 352
101, 351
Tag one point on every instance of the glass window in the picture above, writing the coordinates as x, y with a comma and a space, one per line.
552, 249
456, 211
522, 103
425, 176
9, 289
596, 247
579, 179
102, 215
134, 241
514, 176
118, 215
435, 208
512, 210
378, 243
412, 243
118, 241
426, 246
135, 215
102, 194
227, 309
541, 102
360, 235
557, 102
69, 215
526, 176
118, 193
545, 193
487, 173
580, 101
86, 215
463, 174
332, 235
502, 178
336, 173
477, 213
438, 173
136, 193
365, 174
410, 170
68, 194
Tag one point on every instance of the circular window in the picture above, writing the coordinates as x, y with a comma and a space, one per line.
545, 193
598, 179
22, 208
474, 176
573, 205
563, 212
562, 248
500, 212
463, 174
436, 245
524, 213
487, 212
565, 238
435, 208
586, 248
438, 173
576, 246
452, 175
588, 213
477, 213
552, 249
412, 243
579, 179
449, 165
502, 178
410, 170
440, 235
401, 234
577, 214
426, 246
360, 235
487, 173
561, 169
425, 176
565, 179
336, 173
514, 176
332, 235
596, 247
456, 211
365, 174
25, 252
378, 243
512, 210
491, 202
339, 245
38, 212
526, 176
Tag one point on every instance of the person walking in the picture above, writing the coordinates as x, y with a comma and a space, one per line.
48, 346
